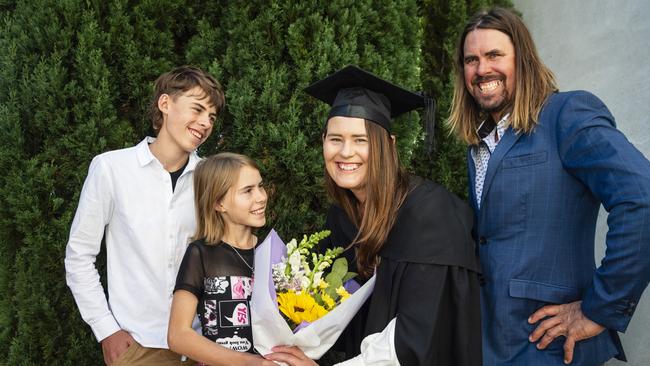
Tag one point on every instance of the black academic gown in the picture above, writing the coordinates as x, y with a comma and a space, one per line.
428, 278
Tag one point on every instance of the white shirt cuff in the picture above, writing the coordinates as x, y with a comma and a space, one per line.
377, 349
104, 327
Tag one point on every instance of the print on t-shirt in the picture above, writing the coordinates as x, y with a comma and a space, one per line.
233, 313
215, 285
235, 343
242, 287
223, 283
226, 313
210, 317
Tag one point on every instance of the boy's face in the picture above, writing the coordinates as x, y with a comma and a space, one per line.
188, 119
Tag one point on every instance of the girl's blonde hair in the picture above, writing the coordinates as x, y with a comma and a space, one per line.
213, 177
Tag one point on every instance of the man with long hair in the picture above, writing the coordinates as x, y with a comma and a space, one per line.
541, 162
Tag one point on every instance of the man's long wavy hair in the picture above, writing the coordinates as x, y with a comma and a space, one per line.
386, 189
534, 82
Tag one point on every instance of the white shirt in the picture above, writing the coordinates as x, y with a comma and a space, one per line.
127, 199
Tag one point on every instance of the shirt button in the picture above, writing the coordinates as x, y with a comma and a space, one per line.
482, 240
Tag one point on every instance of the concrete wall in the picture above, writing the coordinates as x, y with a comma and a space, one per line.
603, 46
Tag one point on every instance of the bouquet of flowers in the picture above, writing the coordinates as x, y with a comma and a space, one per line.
294, 301
304, 294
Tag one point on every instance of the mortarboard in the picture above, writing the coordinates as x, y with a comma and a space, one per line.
354, 92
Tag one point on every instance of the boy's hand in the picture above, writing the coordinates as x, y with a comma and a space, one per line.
115, 345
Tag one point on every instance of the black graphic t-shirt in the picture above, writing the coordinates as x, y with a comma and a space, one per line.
222, 282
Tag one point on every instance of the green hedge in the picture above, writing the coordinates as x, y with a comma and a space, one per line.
75, 78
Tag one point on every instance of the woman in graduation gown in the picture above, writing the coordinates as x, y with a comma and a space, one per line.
413, 234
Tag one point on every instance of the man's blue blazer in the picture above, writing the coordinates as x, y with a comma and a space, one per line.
536, 226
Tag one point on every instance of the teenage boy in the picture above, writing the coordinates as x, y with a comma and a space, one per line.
140, 200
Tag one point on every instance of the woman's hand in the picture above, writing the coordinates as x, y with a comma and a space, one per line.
291, 355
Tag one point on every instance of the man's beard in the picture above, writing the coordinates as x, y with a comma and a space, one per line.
494, 104
494, 107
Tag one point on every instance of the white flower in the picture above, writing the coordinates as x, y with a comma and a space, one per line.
291, 246
304, 282
294, 284
305, 267
295, 261
317, 279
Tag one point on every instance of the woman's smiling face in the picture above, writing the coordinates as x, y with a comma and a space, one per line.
345, 153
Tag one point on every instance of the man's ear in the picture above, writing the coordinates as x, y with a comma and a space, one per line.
163, 103
392, 137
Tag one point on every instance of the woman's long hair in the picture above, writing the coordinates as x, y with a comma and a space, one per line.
534, 82
213, 177
386, 188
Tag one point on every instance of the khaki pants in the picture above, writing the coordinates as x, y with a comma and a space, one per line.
143, 356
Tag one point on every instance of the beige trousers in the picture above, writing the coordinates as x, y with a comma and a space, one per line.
137, 355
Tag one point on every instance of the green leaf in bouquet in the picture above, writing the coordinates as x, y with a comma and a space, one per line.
339, 268
348, 276
333, 285
331, 290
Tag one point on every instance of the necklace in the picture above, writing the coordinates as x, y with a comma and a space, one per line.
242, 258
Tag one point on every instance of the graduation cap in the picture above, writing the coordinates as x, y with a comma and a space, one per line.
354, 92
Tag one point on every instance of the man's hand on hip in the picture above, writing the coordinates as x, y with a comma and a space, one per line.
115, 345
562, 320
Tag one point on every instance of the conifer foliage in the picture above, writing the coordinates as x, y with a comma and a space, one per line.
75, 78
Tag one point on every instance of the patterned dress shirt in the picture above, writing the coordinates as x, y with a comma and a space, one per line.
481, 153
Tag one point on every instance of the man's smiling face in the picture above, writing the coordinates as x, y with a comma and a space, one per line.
489, 70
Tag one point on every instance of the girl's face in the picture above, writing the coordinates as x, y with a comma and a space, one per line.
245, 202
345, 152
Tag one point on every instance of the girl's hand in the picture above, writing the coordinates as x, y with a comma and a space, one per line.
291, 355
255, 360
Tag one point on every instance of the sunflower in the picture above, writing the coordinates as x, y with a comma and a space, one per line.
299, 307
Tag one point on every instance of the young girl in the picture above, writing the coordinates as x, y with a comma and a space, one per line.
411, 232
216, 276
